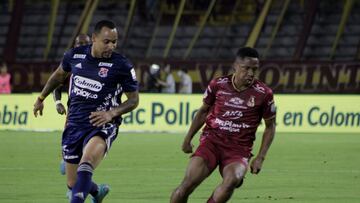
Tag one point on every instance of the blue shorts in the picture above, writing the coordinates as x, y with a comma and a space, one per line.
74, 139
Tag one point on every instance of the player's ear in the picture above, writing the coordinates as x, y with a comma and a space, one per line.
233, 66
93, 37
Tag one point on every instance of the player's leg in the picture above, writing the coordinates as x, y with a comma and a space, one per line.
62, 167
233, 175
71, 176
196, 172
93, 153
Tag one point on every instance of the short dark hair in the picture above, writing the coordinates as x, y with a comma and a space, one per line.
104, 23
247, 52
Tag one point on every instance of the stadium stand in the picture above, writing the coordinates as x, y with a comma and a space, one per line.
227, 28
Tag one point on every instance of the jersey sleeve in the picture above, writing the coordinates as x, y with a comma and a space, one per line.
269, 108
129, 82
210, 93
65, 63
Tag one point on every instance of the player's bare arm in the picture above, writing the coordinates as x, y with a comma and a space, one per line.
57, 78
60, 108
195, 126
57, 93
267, 139
100, 118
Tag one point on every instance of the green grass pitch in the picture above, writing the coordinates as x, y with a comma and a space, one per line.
145, 168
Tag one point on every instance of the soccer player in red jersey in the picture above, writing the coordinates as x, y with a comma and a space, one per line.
232, 109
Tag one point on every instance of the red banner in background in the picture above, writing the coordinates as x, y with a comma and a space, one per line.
281, 76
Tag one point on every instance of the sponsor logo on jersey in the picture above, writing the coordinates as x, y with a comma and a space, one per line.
71, 156
84, 93
251, 101
230, 125
232, 115
133, 74
236, 100
235, 105
79, 56
258, 88
87, 83
78, 65
103, 72
64, 148
105, 64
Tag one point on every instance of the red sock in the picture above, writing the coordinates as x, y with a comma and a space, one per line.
211, 200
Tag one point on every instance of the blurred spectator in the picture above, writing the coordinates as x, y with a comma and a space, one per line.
151, 79
146, 9
167, 86
5, 86
185, 82
173, 4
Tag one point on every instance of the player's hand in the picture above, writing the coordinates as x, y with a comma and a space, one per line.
256, 165
38, 107
100, 118
60, 108
187, 147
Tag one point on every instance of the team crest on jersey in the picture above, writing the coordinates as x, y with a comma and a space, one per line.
251, 102
103, 72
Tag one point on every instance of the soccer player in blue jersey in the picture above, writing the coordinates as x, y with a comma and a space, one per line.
98, 77
80, 40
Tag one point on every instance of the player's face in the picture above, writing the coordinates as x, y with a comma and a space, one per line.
3, 70
105, 42
245, 69
82, 40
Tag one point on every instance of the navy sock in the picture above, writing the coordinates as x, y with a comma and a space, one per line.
94, 189
83, 184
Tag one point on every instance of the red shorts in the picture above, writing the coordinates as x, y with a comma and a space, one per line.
219, 153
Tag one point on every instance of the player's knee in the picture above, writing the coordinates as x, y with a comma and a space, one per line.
88, 159
239, 184
187, 187
233, 183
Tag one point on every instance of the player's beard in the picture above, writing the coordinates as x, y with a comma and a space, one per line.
106, 54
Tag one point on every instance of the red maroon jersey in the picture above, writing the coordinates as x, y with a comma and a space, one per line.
234, 116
